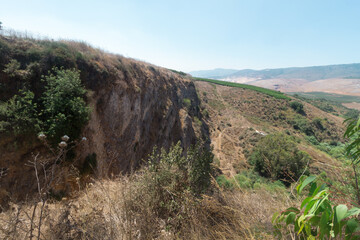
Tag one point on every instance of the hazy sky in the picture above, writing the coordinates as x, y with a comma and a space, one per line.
193, 35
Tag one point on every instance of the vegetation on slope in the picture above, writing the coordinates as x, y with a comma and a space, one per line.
157, 202
173, 195
60, 110
331, 103
269, 92
333, 97
276, 156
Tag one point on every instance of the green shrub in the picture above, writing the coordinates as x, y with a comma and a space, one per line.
276, 156
318, 122
194, 166
65, 111
298, 107
224, 182
171, 179
199, 161
61, 109
19, 115
302, 124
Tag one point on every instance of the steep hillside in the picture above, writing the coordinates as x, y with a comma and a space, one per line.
134, 107
98, 188
239, 117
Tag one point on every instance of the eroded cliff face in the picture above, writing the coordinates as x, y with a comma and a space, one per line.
136, 113
134, 107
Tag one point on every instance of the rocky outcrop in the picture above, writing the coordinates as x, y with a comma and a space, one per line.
136, 113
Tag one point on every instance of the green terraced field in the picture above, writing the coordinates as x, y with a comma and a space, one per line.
273, 93
328, 96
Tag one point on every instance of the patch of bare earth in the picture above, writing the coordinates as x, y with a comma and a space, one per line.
353, 105
331, 85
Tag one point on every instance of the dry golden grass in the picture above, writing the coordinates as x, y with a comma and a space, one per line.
120, 209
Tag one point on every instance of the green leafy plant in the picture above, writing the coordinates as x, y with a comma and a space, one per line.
19, 115
65, 110
317, 217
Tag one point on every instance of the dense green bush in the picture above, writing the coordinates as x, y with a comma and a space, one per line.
302, 124
61, 109
276, 156
20, 114
298, 107
65, 111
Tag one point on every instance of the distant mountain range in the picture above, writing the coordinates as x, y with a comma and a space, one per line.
342, 78
308, 73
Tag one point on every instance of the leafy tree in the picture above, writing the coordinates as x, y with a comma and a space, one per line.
65, 111
276, 156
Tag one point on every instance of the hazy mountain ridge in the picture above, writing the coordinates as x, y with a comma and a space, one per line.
308, 73
339, 79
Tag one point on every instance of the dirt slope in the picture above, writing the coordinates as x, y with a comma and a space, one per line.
238, 118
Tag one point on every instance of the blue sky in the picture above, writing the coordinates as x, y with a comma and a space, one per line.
193, 35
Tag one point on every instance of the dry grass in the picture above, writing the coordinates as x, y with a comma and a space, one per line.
120, 209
